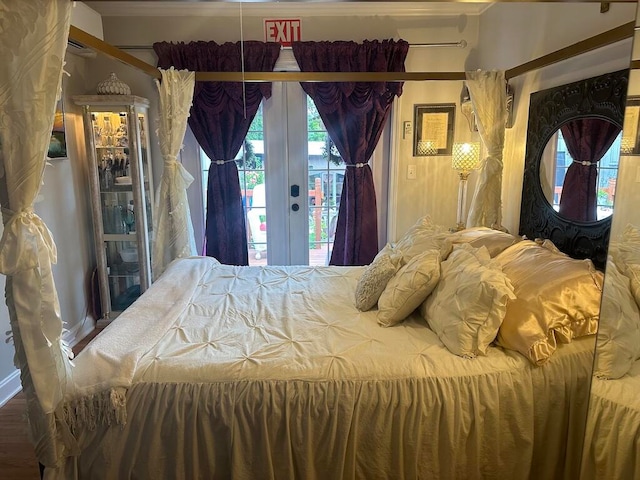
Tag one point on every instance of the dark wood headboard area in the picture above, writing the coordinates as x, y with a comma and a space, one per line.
600, 97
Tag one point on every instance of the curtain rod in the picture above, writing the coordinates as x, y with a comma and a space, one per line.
459, 44
609, 37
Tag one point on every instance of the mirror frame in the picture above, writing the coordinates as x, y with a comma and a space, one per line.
603, 97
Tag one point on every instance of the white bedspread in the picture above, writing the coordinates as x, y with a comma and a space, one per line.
612, 439
271, 372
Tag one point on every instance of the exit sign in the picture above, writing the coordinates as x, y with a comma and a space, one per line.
283, 31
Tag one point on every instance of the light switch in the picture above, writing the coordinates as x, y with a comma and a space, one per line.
411, 172
406, 133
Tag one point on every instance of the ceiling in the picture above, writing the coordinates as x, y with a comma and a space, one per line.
261, 8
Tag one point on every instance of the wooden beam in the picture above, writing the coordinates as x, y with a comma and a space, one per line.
99, 46
592, 43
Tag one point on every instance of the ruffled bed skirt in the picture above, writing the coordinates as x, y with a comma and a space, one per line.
503, 425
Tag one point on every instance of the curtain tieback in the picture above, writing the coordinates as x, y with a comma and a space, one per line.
585, 163
358, 165
222, 162
24, 236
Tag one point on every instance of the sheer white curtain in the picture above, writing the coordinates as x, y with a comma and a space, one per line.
173, 228
489, 99
33, 39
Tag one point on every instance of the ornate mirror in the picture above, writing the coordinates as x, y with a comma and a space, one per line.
571, 159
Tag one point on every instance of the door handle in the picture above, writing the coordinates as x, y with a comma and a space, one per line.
295, 207
295, 191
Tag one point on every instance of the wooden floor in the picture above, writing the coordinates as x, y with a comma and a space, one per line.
17, 460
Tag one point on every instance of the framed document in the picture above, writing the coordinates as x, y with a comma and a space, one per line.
433, 131
630, 144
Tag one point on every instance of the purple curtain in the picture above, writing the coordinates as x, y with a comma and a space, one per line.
587, 140
220, 118
354, 114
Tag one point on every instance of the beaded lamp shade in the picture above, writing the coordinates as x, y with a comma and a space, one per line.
466, 157
427, 148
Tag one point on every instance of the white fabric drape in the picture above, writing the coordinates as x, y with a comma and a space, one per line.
173, 227
489, 98
33, 39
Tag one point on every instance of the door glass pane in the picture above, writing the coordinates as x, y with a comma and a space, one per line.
325, 178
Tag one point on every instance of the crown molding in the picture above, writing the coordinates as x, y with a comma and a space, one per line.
282, 8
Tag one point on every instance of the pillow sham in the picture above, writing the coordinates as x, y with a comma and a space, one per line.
467, 306
375, 277
496, 241
557, 299
422, 236
625, 251
618, 343
408, 288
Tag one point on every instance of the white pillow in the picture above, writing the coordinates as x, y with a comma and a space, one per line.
495, 240
422, 236
625, 251
408, 288
467, 306
375, 277
618, 344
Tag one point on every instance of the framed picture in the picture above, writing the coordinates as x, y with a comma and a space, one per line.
630, 144
433, 129
58, 142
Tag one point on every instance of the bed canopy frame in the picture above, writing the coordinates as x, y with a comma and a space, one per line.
609, 37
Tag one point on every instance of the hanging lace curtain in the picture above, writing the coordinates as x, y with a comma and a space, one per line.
33, 39
489, 98
173, 227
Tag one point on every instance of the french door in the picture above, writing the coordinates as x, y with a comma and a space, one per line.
291, 179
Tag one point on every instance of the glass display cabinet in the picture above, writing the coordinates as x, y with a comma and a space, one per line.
121, 187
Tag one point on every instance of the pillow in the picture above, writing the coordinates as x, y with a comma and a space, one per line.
625, 251
618, 344
467, 306
558, 299
423, 236
495, 240
375, 277
408, 288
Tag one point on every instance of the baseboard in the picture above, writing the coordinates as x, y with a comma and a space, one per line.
10, 385
79, 331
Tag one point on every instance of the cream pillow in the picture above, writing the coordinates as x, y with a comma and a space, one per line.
557, 299
467, 306
423, 236
618, 344
495, 240
625, 251
375, 277
408, 288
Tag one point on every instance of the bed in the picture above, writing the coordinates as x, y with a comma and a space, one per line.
271, 372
